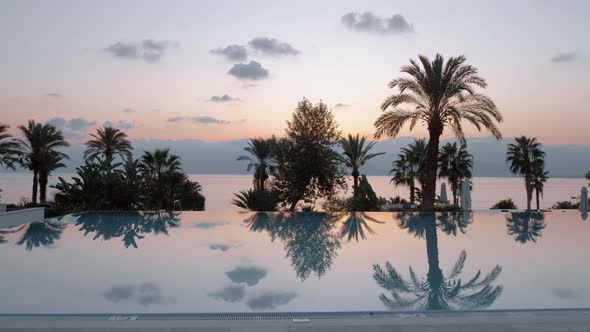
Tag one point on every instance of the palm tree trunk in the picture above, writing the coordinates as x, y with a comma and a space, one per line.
355, 181
537, 194
529, 195
429, 188
43, 179
35, 184
412, 192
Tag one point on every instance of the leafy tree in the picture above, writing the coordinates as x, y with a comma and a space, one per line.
540, 176
365, 199
256, 200
108, 142
441, 95
525, 226
436, 291
524, 156
355, 154
505, 204
260, 158
38, 148
9, 148
410, 167
455, 164
307, 165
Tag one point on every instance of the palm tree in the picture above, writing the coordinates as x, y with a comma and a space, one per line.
9, 148
256, 200
409, 167
108, 142
41, 234
50, 164
455, 164
261, 154
540, 176
355, 224
441, 95
436, 291
588, 177
39, 145
355, 155
161, 171
523, 157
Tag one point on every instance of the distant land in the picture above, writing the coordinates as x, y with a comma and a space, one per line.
200, 157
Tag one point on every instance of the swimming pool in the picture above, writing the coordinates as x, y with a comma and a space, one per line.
198, 262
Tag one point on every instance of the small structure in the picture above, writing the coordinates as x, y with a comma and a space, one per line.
444, 200
584, 201
19, 217
466, 195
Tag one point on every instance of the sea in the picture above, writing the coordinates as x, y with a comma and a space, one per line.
219, 189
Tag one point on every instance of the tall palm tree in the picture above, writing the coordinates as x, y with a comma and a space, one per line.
39, 145
161, 171
49, 164
355, 155
540, 176
455, 164
9, 148
260, 158
440, 95
409, 167
108, 142
523, 156
41, 234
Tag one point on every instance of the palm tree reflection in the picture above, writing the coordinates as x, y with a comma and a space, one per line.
6, 231
355, 224
41, 234
436, 291
129, 226
525, 226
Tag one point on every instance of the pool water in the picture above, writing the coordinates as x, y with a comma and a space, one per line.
214, 262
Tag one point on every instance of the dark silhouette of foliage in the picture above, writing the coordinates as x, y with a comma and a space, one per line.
440, 95
256, 200
261, 155
9, 148
505, 204
108, 142
355, 224
41, 234
524, 157
410, 167
455, 164
355, 154
525, 226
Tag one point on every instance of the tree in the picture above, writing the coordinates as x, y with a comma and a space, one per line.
540, 176
441, 95
525, 226
9, 148
307, 165
47, 166
524, 155
588, 177
38, 147
409, 167
261, 154
256, 200
108, 142
455, 164
355, 154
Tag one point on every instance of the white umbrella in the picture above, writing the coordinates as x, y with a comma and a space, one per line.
466, 195
584, 201
443, 194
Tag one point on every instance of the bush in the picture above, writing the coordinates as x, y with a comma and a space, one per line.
256, 200
505, 204
565, 205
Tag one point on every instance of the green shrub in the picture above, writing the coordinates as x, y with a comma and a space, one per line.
256, 200
565, 205
505, 204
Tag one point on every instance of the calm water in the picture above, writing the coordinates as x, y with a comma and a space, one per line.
219, 189
244, 262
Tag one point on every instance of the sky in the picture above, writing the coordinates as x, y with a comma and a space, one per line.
225, 70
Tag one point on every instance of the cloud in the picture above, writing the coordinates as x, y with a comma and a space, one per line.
272, 46
208, 225
232, 52
78, 124
270, 300
222, 247
224, 99
252, 71
341, 105
232, 293
565, 293
250, 275
125, 125
128, 110
57, 122
204, 119
565, 57
55, 95
149, 50
145, 295
369, 22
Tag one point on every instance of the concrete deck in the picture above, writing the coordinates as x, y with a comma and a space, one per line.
525, 321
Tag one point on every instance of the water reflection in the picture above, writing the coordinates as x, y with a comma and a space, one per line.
436, 291
525, 226
6, 231
355, 224
41, 234
309, 238
129, 226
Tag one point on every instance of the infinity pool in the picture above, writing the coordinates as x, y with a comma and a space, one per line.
127, 262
